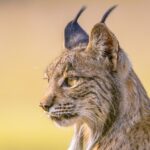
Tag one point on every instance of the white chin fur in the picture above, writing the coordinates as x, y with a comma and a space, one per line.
66, 122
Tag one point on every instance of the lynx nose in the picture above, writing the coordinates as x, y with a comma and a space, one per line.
44, 106
47, 103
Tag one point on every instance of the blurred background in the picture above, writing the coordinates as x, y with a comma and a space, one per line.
31, 36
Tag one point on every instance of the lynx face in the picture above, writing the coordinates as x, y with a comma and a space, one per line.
74, 92
81, 84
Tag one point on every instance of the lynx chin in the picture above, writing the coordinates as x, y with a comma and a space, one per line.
93, 86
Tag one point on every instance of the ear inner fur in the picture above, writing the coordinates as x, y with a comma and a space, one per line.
104, 43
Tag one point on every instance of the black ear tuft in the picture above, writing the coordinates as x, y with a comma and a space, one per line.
75, 36
107, 13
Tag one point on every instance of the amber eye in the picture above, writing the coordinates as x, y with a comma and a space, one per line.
70, 81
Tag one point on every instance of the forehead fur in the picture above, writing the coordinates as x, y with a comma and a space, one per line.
81, 61
59, 64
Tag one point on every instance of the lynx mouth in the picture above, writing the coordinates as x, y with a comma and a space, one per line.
65, 119
60, 117
63, 114
60, 112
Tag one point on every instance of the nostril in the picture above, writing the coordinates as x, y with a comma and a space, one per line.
44, 106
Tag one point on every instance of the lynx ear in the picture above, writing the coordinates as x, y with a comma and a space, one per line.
103, 44
75, 36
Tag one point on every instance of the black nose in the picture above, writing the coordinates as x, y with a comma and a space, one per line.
45, 106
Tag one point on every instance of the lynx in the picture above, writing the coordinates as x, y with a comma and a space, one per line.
93, 86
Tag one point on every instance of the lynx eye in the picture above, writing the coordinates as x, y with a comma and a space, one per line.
70, 81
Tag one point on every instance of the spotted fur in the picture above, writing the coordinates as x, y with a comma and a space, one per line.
108, 105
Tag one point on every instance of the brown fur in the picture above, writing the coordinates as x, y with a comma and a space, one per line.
107, 104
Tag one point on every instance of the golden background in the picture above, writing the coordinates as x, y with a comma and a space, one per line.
31, 36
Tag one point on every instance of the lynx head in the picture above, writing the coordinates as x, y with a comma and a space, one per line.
83, 82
